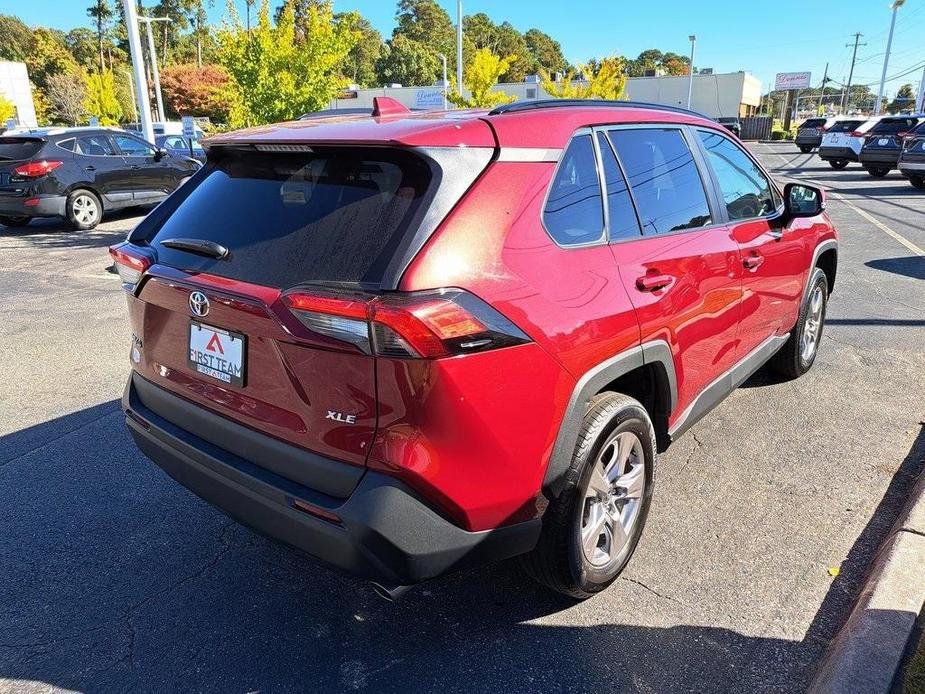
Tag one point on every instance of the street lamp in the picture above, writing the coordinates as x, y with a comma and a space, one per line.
443, 58
886, 59
690, 81
141, 83
154, 71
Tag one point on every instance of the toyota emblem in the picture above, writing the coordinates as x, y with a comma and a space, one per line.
199, 304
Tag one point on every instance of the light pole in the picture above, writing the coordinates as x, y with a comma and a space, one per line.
141, 82
690, 81
459, 70
155, 73
886, 59
443, 58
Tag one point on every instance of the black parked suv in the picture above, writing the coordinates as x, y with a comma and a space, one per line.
912, 159
81, 173
884, 143
810, 132
733, 125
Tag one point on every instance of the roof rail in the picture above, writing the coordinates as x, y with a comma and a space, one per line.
536, 104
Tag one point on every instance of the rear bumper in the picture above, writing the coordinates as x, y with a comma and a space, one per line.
837, 154
814, 140
47, 206
874, 158
382, 531
908, 164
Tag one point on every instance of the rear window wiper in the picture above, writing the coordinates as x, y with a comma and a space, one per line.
199, 246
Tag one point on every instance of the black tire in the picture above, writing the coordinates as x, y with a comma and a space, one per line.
558, 561
790, 361
76, 207
877, 171
838, 163
15, 221
914, 179
806, 149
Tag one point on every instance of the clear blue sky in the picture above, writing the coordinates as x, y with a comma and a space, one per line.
783, 36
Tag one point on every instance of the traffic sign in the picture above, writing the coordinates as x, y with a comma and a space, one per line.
189, 128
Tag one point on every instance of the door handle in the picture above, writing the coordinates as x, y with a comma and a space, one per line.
752, 261
134, 166
652, 283
90, 168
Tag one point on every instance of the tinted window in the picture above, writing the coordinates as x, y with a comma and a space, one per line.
14, 148
70, 144
845, 126
574, 212
620, 213
745, 189
920, 128
174, 142
891, 126
812, 123
129, 146
94, 145
664, 179
331, 215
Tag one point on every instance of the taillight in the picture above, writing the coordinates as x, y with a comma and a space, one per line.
426, 325
856, 133
35, 169
130, 264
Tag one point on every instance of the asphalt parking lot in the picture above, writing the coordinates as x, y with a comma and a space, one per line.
115, 578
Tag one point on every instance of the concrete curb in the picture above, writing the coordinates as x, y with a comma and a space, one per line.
868, 651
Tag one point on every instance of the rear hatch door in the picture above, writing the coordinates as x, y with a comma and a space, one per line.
14, 151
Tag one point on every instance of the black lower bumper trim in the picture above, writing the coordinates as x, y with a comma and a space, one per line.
837, 154
386, 532
879, 159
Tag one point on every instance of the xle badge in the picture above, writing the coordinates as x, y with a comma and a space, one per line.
341, 417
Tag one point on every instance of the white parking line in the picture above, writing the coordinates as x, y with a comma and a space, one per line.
869, 217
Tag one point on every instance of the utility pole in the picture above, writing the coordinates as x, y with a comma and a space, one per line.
459, 65
155, 73
886, 59
141, 83
690, 80
443, 60
825, 80
921, 108
854, 57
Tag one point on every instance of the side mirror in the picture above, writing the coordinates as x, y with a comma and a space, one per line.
803, 201
160, 153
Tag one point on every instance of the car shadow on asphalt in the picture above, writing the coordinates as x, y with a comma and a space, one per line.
116, 578
54, 233
910, 266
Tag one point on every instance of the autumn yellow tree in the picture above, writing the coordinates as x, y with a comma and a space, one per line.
606, 80
7, 109
101, 98
480, 75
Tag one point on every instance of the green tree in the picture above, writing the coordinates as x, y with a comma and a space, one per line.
101, 98
65, 96
274, 77
427, 23
675, 64
904, 100
546, 51
15, 39
84, 47
7, 109
479, 76
360, 64
501, 39
407, 62
48, 56
101, 13
603, 79
178, 11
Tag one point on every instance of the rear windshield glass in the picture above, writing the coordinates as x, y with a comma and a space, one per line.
334, 216
892, 126
845, 126
14, 148
812, 123
920, 128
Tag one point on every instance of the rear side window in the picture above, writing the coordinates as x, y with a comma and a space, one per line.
892, 126
324, 216
95, 146
664, 179
574, 212
15, 148
845, 126
621, 217
746, 190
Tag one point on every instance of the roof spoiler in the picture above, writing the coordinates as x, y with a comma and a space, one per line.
387, 106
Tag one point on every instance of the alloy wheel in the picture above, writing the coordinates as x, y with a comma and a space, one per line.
85, 209
809, 340
613, 499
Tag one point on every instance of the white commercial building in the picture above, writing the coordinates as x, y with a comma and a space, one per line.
714, 95
14, 86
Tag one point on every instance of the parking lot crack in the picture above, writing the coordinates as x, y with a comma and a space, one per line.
651, 590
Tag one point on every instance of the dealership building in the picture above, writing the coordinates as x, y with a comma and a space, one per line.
715, 95
14, 86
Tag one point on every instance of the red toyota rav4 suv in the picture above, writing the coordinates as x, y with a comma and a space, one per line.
408, 343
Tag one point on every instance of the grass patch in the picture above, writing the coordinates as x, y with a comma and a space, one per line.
915, 672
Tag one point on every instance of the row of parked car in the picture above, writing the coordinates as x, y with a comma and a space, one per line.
879, 144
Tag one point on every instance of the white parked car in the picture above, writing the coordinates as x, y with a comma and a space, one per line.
842, 142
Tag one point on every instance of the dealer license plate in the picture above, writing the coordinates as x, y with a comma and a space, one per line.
216, 353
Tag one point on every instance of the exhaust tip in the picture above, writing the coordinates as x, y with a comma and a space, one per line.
389, 593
